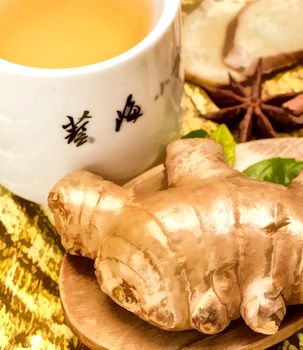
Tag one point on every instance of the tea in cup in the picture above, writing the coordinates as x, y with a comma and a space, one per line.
71, 33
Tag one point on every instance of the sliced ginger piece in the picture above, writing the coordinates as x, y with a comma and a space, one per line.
267, 29
204, 40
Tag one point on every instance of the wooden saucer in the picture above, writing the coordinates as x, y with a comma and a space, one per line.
101, 324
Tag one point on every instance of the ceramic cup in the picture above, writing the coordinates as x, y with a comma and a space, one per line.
113, 118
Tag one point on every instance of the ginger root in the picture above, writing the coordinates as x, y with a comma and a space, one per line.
214, 246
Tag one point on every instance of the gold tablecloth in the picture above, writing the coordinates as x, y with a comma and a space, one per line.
30, 253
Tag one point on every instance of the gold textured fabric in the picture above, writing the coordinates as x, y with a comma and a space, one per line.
30, 255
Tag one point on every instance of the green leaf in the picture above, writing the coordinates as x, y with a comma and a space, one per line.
224, 137
277, 170
200, 133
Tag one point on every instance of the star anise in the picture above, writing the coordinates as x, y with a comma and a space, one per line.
246, 107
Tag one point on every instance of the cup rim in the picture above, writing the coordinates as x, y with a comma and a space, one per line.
166, 18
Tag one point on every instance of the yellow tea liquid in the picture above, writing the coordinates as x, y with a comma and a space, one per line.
70, 33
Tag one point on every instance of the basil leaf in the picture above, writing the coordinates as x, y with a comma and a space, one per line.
200, 133
277, 170
224, 137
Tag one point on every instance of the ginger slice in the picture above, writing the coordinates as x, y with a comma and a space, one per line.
267, 29
204, 41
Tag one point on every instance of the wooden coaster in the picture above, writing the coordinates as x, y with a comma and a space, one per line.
101, 324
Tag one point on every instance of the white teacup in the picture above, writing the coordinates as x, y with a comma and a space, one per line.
113, 118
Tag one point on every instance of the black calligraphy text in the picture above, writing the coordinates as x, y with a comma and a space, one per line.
130, 113
77, 131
